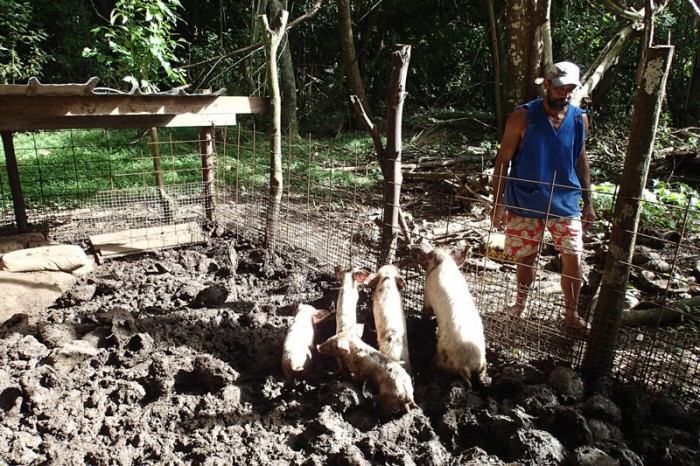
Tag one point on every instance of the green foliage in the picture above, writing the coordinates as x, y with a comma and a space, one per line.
142, 43
21, 52
67, 24
663, 206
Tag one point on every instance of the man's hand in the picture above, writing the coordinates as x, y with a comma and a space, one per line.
498, 217
587, 216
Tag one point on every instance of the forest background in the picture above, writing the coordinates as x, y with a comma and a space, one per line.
471, 61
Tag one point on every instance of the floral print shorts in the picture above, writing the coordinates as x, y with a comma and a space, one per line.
523, 235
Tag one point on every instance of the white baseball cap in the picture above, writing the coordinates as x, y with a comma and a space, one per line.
563, 73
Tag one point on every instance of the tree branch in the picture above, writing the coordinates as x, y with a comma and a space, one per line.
257, 46
371, 128
694, 6
606, 59
616, 9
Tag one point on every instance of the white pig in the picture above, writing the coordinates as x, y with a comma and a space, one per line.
389, 318
461, 348
299, 343
346, 306
367, 364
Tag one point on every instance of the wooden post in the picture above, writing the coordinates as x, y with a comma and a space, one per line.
608, 313
155, 154
206, 151
272, 37
167, 203
15, 182
391, 165
389, 158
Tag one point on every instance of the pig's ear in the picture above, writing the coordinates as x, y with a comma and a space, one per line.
400, 282
416, 251
339, 272
344, 345
420, 253
320, 315
460, 255
371, 280
360, 275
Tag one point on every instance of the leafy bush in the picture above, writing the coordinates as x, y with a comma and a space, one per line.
663, 206
21, 52
142, 43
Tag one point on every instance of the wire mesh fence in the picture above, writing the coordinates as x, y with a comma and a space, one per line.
101, 181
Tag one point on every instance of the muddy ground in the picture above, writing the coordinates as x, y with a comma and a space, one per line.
173, 358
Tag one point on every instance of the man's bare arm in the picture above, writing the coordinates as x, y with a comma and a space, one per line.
583, 172
510, 143
515, 127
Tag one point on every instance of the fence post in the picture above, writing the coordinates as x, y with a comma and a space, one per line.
206, 152
8, 145
608, 312
274, 32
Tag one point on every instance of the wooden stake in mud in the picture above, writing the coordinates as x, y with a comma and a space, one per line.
167, 203
272, 37
206, 153
390, 158
608, 312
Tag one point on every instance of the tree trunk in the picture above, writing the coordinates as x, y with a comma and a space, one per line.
541, 44
391, 165
496, 63
524, 50
348, 56
608, 313
692, 102
288, 87
389, 158
272, 37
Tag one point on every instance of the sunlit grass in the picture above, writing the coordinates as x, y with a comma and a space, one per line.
61, 169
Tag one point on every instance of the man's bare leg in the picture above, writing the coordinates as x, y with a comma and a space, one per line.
524, 276
571, 275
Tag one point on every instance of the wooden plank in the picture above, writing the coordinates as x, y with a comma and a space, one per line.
140, 240
119, 122
24, 113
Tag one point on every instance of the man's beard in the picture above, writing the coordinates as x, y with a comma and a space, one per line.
556, 104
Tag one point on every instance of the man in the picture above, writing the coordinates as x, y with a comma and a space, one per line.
544, 147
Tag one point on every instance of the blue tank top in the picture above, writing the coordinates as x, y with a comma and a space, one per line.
546, 153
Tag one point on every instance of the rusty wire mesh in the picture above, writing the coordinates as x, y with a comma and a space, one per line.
332, 211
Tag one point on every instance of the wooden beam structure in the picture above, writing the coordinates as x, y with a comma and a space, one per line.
140, 240
37, 106
27, 113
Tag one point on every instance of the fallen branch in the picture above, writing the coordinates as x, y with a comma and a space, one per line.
436, 163
671, 314
428, 175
